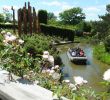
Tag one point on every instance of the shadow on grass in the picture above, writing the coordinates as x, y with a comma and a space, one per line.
24, 81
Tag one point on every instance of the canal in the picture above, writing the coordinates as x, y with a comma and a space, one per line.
92, 71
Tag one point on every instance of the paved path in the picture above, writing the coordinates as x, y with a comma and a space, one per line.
20, 91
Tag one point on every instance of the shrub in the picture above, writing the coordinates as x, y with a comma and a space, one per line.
101, 54
107, 43
7, 26
36, 44
57, 31
42, 16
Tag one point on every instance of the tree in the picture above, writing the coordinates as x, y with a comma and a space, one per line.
8, 17
72, 16
51, 15
1, 18
42, 16
102, 27
108, 8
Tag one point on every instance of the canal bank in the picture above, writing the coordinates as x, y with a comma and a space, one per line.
92, 71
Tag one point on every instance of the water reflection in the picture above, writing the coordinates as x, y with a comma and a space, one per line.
93, 71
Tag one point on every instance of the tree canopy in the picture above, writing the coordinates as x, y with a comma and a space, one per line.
2, 18
42, 16
8, 17
102, 26
51, 15
72, 16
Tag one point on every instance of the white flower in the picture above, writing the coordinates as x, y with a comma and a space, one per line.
56, 76
3, 32
45, 53
10, 38
85, 81
45, 56
56, 66
66, 81
36, 82
13, 38
55, 97
51, 59
28, 53
79, 80
51, 72
9, 33
48, 70
20, 41
53, 68
106, 75
5, 43
43, 71
72, 86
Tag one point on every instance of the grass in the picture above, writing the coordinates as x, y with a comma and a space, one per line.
101, 54
84, 39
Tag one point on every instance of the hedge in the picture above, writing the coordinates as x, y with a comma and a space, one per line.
7, 26
42, 16
57, 31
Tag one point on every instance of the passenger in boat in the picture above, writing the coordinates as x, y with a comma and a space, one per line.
78, 51
73, 53
81, 53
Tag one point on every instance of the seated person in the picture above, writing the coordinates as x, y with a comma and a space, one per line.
81, 53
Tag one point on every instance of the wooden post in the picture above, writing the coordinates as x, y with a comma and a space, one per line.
34, 21
27, 20
13, 19
30, 18
24, 19
19, 21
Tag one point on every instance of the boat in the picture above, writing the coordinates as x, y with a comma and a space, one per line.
77, 55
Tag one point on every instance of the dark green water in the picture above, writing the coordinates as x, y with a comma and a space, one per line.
92, 72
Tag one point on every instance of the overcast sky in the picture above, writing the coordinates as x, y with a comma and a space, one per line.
92, 8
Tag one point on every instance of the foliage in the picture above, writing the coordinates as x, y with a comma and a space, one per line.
2, 18
72, 16
108, 8
36, 44
8, 17
86, 27
107, 43
57, 31
7, 26
51, 16
101, 54
53, 22
42, 16
102, 26
81, 94
16, 61
99, 27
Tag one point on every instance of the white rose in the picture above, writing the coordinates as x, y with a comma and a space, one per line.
79, 80
106, 75
3, 32
56, 76
20, 41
